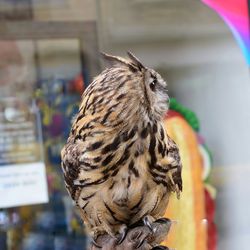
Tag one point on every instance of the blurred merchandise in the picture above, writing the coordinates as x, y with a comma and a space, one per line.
58, 102
8, 219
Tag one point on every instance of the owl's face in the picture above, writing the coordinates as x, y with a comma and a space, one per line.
143, 85
157, 92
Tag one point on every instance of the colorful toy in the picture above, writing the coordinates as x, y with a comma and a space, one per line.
195, 228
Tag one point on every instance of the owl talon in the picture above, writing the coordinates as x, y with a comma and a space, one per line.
160, 248
141, 242
163, 221
147, 223
95, 244
122, 235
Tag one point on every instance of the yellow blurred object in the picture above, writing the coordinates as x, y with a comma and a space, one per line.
190, 232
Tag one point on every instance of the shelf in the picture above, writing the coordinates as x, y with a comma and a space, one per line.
46, 29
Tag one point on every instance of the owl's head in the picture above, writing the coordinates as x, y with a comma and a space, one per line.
146, 83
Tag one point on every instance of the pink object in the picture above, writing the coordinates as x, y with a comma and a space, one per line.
236, 14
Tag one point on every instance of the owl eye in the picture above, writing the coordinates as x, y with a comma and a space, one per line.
153, 84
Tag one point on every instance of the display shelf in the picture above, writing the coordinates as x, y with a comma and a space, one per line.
85, 31
58, 45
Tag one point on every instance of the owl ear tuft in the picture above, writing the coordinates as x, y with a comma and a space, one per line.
116, 60
136, 61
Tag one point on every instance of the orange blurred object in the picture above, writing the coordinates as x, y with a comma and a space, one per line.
190, 231
77, 84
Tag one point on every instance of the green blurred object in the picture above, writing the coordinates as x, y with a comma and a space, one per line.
189, 115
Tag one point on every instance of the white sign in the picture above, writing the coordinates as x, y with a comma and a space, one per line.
23, 184
22, 170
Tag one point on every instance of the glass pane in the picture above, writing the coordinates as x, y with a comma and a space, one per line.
46, 62
50, 73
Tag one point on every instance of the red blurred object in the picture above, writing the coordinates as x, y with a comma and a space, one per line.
212, 230
210, 206
212, 237
172, 113
77, 84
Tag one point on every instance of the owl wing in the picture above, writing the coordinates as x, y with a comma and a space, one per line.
71, 167
175, 165
165, 166
88, 154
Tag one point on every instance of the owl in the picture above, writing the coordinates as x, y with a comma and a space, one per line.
119, 164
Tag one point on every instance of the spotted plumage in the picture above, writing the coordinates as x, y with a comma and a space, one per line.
119, 164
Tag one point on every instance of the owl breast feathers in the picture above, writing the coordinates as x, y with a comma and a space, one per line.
119, 164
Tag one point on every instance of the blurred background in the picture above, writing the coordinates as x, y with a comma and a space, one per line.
49, 53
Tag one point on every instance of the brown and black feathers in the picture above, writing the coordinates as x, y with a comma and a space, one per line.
119, 164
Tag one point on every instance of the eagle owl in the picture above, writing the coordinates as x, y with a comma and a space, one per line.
119, 164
